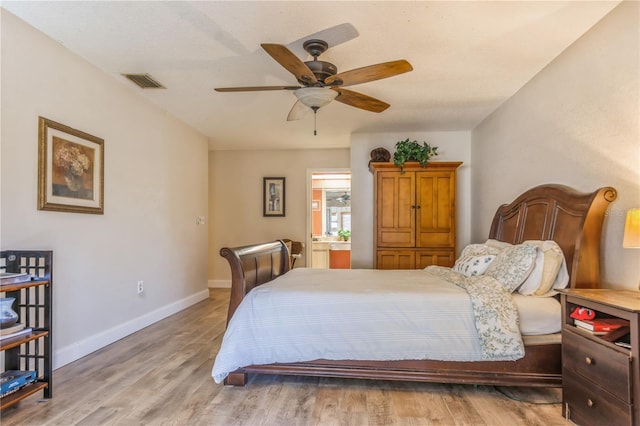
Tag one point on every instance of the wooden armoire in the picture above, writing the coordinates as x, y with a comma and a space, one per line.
415, 215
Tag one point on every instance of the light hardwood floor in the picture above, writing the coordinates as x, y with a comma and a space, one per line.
162, 376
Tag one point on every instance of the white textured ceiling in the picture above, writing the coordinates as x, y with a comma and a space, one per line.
468, 58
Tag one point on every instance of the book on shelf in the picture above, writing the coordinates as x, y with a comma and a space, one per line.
595, 333
598, 325
24, 331
623, 344
617, 334
7, 278
624, 341
12, 329
12, 380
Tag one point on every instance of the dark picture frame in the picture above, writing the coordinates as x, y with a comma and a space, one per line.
70, 169
273, 197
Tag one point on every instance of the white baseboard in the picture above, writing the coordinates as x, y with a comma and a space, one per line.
85, 347
219, 283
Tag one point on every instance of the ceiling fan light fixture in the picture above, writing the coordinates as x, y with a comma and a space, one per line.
315, 97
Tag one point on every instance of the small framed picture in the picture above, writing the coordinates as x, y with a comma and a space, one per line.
70, 169
273, 201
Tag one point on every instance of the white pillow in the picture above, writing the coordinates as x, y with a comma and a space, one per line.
562, 280
532, 283
473, 265
513, 265
544, 277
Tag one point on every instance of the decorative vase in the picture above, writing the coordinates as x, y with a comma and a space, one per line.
74, 182
8, 316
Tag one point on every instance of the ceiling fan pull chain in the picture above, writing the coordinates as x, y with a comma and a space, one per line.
315, 120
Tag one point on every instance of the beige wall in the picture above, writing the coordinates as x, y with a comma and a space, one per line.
155, 186
235, 198
575, 123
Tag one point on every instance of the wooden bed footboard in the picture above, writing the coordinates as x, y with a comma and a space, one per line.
254, 265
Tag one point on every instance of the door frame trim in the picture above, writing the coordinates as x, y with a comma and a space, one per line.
310, 173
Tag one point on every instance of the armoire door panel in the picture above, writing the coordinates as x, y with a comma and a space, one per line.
396, 259
396, 238
387, 200
396, 217
438, 258
426, 199
406, 199
445, 204
435, 221
435, 239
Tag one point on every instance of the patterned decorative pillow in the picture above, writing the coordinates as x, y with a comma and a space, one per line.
473, 265
479, 250
513, 265
497, 244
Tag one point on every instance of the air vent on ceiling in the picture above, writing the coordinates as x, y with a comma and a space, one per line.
145, 81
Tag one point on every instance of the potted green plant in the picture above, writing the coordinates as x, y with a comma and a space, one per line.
408, 150
344, 234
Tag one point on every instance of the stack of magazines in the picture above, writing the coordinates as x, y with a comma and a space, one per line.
14, 380
14, 331
7, 278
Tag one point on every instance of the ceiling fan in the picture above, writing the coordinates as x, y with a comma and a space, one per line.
343, 198
320, 81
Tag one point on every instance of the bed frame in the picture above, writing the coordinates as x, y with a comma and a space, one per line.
573, 219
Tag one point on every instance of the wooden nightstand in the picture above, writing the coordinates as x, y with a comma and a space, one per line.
600, 380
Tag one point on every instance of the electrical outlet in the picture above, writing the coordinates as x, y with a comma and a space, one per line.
140, 286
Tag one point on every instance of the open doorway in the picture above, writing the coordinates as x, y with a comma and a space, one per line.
329, 219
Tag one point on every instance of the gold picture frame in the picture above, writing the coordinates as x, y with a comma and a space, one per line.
70, 169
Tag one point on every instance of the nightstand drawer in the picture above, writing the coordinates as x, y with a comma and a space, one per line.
590, 405
598, 363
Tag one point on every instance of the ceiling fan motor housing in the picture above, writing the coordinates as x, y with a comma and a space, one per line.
321, 70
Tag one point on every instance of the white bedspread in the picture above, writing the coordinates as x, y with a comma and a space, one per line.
309, 314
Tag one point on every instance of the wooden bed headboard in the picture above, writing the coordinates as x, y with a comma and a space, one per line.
556, 212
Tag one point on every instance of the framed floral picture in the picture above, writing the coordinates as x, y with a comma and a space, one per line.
70, 169
273, 196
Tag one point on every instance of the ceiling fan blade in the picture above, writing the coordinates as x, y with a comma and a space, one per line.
370, 73
298, 111
358, 100
334, 36
291, 62
255, 88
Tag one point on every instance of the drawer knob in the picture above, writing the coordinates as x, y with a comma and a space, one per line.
590, 403
589, 360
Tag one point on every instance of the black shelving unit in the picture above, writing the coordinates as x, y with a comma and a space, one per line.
33, 304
